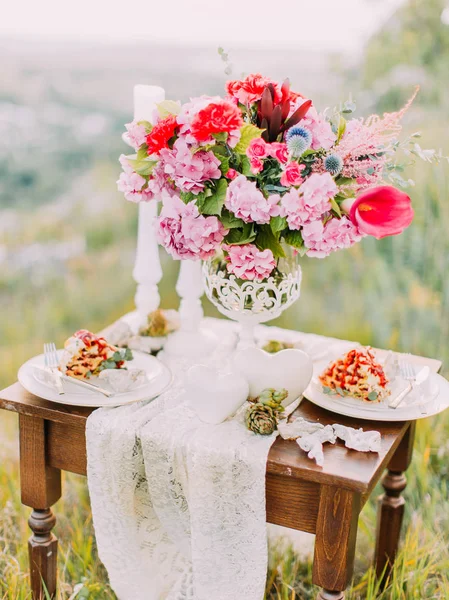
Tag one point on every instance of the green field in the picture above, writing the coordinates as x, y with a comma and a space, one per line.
393, 294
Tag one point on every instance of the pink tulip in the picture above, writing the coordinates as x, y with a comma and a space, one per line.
382, 211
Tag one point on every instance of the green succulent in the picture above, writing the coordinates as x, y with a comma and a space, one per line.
261, 419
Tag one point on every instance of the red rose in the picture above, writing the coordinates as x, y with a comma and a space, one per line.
251, 89
160, 134
217, 117
381, 211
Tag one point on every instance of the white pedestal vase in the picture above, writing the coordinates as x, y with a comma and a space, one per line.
190, 342
252, 302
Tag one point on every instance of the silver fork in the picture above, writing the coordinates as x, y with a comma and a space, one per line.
408, 373
51, 363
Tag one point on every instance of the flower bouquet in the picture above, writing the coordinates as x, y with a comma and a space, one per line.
248, 180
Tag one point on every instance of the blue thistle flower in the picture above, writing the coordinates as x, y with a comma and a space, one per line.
298, 140
297, 145
297, 130
333, 164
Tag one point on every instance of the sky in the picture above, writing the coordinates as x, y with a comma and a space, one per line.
326, 24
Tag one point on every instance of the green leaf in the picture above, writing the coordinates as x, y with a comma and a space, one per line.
117, 356
335, 207
248, 133
293, 238
224, 165
278, 224
341, 128
142, 152
213, 205
230, 221
246, 166
344, 181
143, 167
168, 107
187, 197
218, 150
128, 354
326, 390
238, 237
266, 239
148, 126
109, 364
340, 391
220, 137
275, 189
372, 396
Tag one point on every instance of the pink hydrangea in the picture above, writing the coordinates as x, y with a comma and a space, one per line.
249, 263
186, 234
248, 203
337, 234
190, 170
126, 165
159, 183
310, 201
136, 134
321, 130
131, 184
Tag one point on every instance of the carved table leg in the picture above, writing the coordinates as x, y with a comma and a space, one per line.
391, 506
40, 488
43, 551
336, 534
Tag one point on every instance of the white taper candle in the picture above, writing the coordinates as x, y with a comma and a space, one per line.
147, 270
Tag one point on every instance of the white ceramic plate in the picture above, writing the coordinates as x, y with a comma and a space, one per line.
159, 379
436, 400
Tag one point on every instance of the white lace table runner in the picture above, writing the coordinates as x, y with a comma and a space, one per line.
179, 506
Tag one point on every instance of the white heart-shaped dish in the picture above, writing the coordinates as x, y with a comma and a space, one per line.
215, 396
291, 369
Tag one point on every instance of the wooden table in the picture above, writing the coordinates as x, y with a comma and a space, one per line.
324, 501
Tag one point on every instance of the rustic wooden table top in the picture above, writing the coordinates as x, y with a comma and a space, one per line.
347, 468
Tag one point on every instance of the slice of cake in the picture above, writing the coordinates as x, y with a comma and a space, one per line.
86, 354
356, 374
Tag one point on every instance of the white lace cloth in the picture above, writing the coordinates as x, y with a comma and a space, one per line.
179, 506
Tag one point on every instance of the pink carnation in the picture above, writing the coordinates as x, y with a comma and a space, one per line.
337, 234
186, 234
310, 201
136, 134
249, 263
190, 170
248, 203
131, 185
